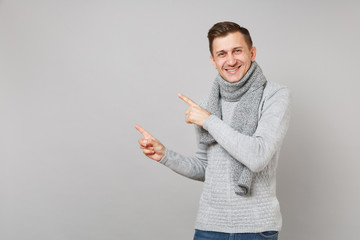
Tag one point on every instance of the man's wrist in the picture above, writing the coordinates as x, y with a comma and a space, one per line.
164, 157
207, 121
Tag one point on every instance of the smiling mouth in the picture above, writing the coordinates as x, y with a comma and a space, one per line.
232, 70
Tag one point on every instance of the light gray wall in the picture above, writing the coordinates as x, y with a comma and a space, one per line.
76, 76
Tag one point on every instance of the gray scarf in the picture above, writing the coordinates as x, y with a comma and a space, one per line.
247, 93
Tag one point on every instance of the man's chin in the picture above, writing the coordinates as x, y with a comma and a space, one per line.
233, 79
229, 79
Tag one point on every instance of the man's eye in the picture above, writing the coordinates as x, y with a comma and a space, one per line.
221, 54
238, 51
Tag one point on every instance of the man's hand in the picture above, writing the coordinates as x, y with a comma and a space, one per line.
195, 114
151, 147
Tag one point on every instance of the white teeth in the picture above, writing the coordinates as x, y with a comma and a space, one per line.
232, 70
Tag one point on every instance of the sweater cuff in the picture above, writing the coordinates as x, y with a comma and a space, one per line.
164, 159
212, 118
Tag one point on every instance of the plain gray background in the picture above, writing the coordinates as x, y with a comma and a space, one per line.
76, 76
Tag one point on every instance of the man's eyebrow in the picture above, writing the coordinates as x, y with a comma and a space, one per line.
223, 50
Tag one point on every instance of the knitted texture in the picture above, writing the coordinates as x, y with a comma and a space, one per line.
247, 94
220, 208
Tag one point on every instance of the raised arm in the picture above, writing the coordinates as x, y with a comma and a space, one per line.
255, 151
190, 167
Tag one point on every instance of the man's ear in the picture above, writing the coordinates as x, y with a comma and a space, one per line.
213, 61
253, 53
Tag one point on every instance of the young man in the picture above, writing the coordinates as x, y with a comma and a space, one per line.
241, 127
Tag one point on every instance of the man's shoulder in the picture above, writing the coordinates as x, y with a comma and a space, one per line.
273, 88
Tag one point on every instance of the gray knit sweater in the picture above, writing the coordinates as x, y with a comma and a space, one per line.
220, 208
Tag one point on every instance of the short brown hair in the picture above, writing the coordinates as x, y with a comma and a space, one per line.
221, 29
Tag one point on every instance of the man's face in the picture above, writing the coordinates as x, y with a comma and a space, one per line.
231, 56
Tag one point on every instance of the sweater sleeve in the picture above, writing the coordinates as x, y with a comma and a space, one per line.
191, 167
256, 151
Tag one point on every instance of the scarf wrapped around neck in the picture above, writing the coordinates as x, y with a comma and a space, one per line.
247, 94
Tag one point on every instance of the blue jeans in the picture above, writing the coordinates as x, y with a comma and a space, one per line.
208, 235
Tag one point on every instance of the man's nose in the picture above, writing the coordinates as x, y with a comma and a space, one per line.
231, 60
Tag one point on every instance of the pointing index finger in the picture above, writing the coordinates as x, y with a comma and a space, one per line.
186, 99
144, 132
